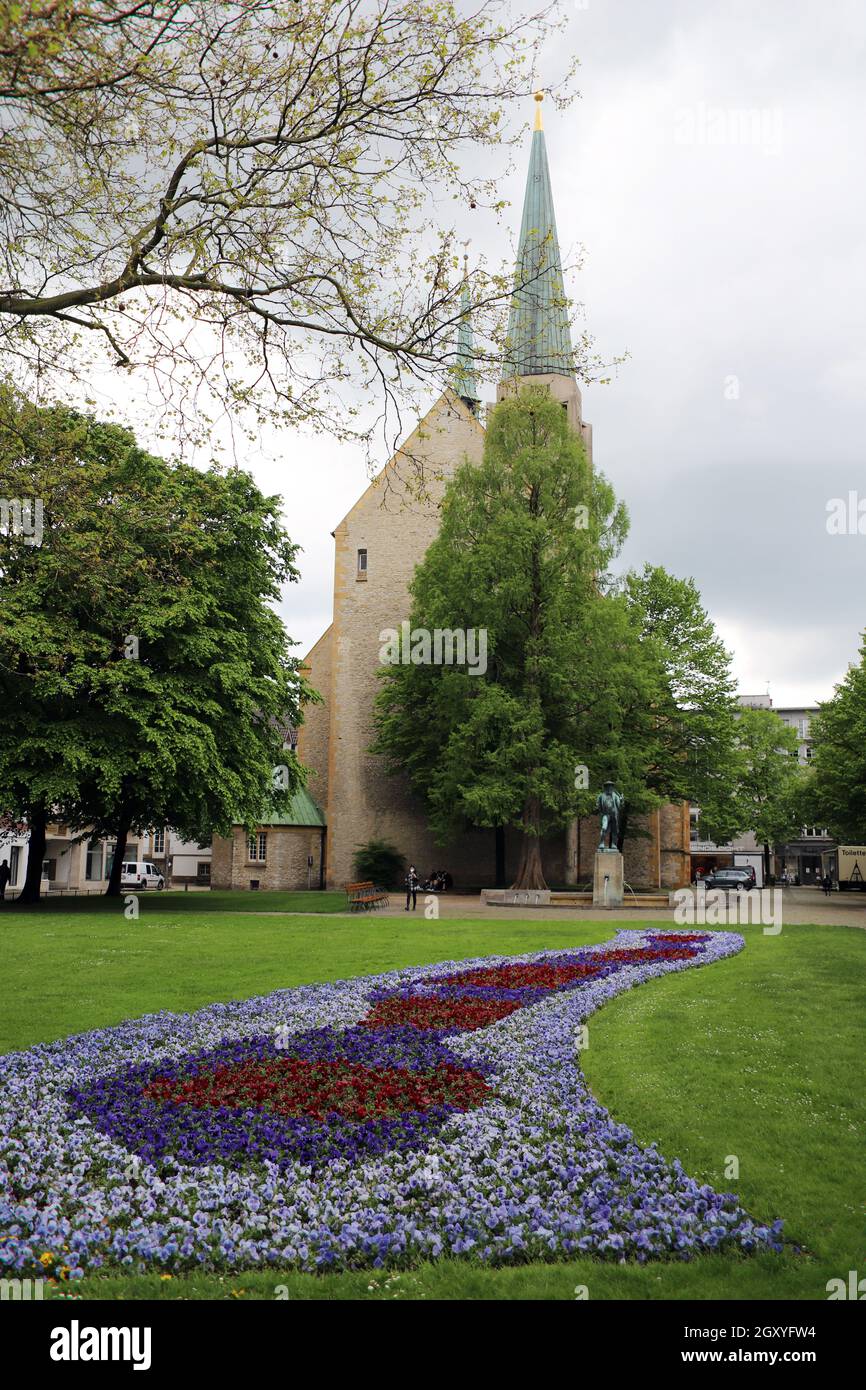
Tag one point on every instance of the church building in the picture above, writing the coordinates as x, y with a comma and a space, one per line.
377, 547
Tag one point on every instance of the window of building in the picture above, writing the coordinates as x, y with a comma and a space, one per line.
203, 872
159, 841
258, 846
14, 859
93, 868
362, 564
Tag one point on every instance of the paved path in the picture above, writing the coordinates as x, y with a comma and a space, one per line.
799, 905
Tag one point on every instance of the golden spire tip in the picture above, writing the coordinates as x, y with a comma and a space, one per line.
539, 97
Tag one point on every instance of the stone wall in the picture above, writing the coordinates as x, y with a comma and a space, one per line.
314, 732
285, 867
395, 525
656, 849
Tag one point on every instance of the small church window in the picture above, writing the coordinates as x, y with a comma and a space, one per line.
362, 564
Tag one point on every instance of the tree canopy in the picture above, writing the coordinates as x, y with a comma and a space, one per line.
145, 677
837, 786
246, 201
769, 778
692, 730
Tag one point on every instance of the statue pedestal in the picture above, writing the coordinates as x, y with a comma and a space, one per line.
607, 882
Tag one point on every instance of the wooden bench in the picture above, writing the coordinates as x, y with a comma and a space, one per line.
364, 897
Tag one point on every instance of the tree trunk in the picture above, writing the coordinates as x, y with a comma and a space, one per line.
766, 861
113, 889
37, 820
530, 873
500, 855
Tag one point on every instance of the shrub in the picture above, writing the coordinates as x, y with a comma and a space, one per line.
380, 861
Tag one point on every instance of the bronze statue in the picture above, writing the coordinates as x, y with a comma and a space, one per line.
610, 804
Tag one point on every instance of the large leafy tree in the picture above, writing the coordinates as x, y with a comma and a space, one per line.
587, 679
244, 201
769, 779
525, 538
837, 786
693, 722
145, 677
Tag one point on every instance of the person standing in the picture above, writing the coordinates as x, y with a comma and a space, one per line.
5, 875
827, 885
412, 882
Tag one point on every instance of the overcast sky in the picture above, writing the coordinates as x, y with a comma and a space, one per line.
713, 169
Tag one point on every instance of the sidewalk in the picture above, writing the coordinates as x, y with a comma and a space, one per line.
799, 905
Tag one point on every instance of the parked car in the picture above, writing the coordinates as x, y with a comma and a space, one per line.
141, 875
749, 871
726, 879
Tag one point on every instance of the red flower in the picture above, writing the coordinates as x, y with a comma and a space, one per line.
293, 1086
540, 976
424, 1012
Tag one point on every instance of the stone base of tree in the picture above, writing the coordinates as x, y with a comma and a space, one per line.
516, 897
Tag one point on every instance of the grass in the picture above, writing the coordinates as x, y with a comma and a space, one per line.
758, 1057
214, 900
68, 971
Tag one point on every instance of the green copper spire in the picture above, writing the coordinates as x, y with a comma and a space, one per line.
539, 339
464, 376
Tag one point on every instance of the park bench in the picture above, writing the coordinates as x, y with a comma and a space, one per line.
362, 897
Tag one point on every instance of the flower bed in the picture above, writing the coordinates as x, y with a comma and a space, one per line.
439, 1110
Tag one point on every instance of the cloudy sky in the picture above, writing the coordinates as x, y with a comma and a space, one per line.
713, 170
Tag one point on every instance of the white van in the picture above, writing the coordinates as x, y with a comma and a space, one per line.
140, 875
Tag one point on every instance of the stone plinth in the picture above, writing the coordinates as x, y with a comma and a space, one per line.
607, 882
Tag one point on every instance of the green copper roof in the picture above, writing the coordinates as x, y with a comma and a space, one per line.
464, 373
302, 810
539, 339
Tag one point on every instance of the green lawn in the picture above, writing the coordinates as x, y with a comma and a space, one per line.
212, 900
758, 1057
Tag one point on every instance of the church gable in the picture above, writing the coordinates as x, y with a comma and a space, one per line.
430, 454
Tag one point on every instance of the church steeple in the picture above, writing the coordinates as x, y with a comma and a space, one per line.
464, 383
539, 338
539, 347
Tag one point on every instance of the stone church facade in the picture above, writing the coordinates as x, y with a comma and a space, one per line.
377, 546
